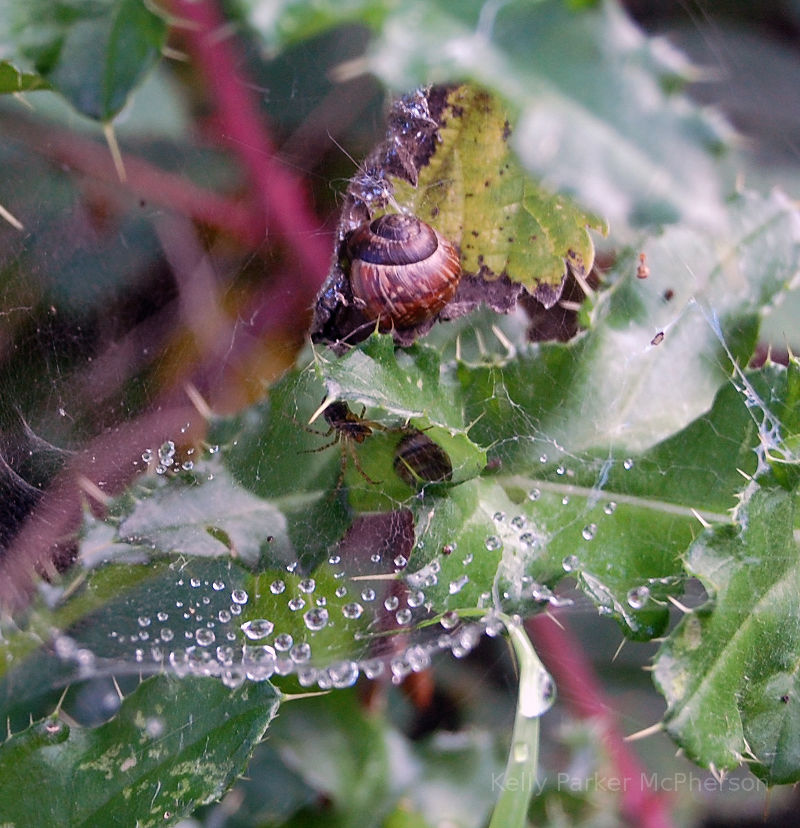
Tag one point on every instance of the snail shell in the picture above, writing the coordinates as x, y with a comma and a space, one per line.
402, 271
418, 460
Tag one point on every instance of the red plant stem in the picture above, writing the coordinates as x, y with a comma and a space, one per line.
282, 199
580, 689
108, 463
144, 180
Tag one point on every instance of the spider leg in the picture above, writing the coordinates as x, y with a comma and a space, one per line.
357, 463
336, 439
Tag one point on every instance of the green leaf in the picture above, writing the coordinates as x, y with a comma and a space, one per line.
94, 52
171, 746
476, 194
729, 670
13, 79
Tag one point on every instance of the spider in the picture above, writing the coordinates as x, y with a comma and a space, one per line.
348, 428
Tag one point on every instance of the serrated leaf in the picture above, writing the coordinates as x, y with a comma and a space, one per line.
206, 514
172, 746
729, 670
476, 194
93, 53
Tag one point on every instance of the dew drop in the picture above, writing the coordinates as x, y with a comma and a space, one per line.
449, 620
343, 674
296, 604
375, 557
277, 587
144, 621
499, 517
542, 458
403, 616
334, 560
194, 583
571, 563
367, 595
518, 521
352, 610
493, 543
627, 464
224, 616
218, 585
400, 562
166, 634
307, 585
458, 584
147, 455
341, 591
225, 654
589, 531
204, 637
316, 618
257, 628
300, 652
416, 599
638, 597
236, 609
372, 668
391, 603
534, 494
283, 642
162, 616
565, 500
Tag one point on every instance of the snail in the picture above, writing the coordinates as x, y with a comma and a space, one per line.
402, 271
418, 460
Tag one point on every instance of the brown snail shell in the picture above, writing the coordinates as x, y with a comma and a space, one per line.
402, 271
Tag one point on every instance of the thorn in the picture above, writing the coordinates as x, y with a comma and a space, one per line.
554, 619
703, 522
93, 490
117, 688
11, 219
322, 406
505, 342
458, 348
658, 727
113, 146
297, 696
198, 401
682, 607
745, 475
719, 775
61, 701
384, 577
618, 650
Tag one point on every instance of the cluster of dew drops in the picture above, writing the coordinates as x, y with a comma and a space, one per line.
216, 643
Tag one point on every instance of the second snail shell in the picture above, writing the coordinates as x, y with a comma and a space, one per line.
402, 271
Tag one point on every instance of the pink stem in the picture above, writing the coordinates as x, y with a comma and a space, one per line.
580, 689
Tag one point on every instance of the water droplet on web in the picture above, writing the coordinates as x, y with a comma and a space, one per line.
316, 618
343, 674
218, 585
493, 543
296, 604
352, 610
589, 531
144, 621
194, 582
401, 562
638, 597
334, 560
166, 634
627, 464
571, 563
418, 658
341, 591
162, 616
213, 449
458, 584
225, 653
283, 642
372, 668
375, 557
610, 507
147, 455
204, 637
300, 652
277, 587
391, 603
403, 616
534, 494
258, 662
367, 595
257, 628
235, 609
542, 458
224, 616
166, 453
518, 521
449, 620
499, 517
416, 599
560, 470
187, 465
565, 500
307, 585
